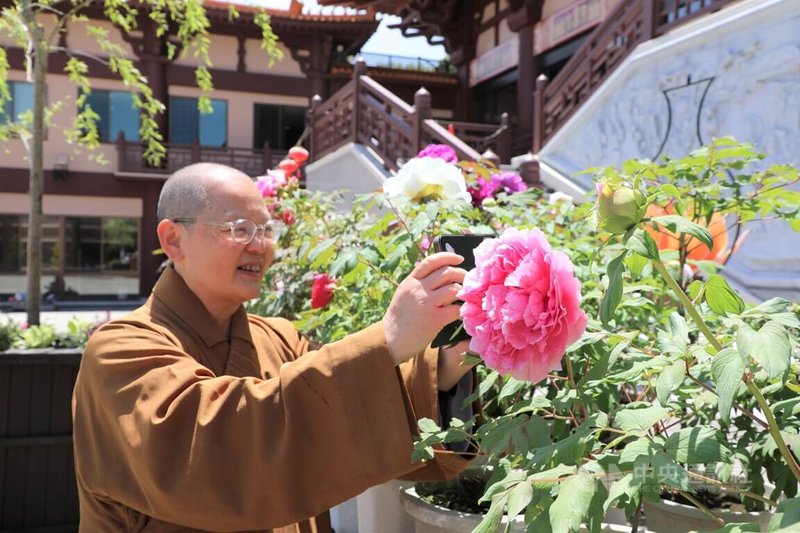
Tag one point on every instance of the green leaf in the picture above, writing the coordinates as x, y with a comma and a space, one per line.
613, 294
669, 379
694, 288
635, 449
519, 498
727, 368
677, 223
668, 472
493, 517
548, 478
636, 264
697, 445
638, 421
642, 243
427, 425
512, 387
787, 514
721, 298
572, 503
345, 262
772, 306
770, 347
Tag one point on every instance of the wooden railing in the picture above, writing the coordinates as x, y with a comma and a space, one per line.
365, 112
631, 23
251, 161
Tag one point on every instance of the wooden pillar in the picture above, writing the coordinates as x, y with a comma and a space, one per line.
527, 72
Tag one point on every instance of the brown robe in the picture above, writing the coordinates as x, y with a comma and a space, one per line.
178, 427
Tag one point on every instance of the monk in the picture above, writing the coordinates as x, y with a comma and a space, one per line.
192, 415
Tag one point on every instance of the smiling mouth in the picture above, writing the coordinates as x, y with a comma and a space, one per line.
252, 269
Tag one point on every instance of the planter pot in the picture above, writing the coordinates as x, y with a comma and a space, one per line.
429, 518
669, 517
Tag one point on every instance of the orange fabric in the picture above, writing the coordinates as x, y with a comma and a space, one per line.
179, 426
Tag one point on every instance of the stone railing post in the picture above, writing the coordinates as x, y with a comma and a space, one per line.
538, 113
422, 112
311, 124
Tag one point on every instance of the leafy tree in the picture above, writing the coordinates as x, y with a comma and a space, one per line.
37, 28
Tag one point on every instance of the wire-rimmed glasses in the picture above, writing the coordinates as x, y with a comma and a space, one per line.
242, 230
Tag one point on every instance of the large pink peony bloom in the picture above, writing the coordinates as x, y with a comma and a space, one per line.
522, 304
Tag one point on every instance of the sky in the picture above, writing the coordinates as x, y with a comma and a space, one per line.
384, 41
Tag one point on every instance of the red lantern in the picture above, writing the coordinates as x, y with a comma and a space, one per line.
288, 165
299, 154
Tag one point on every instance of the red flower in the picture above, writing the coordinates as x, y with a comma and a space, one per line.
288, 165
287, 216
299, 154
322, 290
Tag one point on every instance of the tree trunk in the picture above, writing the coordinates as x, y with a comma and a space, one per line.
36, 165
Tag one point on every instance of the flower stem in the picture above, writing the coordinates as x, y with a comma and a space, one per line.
774, 430
702, 507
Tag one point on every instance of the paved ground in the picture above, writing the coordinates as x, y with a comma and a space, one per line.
59, 319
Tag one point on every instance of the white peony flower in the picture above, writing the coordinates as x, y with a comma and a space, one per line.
559, 196
427, 178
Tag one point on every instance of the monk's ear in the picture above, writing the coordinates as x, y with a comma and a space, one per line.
170, 236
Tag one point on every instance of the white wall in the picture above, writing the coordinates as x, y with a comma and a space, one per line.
749, 55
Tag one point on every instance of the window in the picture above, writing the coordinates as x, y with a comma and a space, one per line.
14, 241
89, 244
21, 93
117, 114
187, 124
279, 125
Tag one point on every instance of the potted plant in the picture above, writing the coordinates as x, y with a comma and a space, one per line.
675, 383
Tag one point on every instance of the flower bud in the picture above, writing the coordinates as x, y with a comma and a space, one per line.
619, 207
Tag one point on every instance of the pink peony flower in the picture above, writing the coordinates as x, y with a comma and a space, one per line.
322, 290
522, 304
439, 151
269, 183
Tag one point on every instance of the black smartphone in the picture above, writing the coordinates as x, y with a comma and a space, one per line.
462, 245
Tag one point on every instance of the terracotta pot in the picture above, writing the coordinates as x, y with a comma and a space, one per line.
669, 517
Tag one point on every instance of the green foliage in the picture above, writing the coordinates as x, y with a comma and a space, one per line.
9, 333
677, 383
185, 21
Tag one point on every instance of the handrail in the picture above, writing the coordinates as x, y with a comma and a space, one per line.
435, 132
628, 25
365, 112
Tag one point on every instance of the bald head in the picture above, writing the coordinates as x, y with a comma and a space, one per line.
187, 192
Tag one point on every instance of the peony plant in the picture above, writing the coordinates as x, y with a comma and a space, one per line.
617, 365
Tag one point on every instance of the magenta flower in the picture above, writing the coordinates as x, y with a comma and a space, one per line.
510, 182
482, 190
269, 183
439, 151
522, 304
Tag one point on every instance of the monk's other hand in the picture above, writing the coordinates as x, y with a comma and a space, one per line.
423, 304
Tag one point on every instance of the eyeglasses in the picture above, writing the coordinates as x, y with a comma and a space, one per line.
242, 230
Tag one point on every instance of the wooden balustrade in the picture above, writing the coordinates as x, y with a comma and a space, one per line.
365, 112
251, 161
628, 25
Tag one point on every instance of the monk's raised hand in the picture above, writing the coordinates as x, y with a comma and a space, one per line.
423, 304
